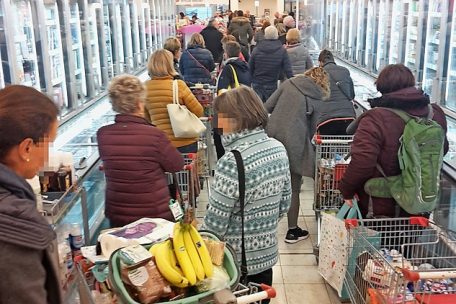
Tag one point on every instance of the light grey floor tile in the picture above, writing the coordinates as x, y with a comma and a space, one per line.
307, 204
304, 246
311, 224
277, 277
333, 295
281, 297
306, 212
298, 260
307, 294
307, 195
301, 274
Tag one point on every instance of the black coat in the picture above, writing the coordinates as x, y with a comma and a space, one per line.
196, 65
213, 39
268, 60
226, 76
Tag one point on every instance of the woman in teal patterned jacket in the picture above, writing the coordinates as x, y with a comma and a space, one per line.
242, 118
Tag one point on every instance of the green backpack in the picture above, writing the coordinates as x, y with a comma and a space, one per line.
420, 156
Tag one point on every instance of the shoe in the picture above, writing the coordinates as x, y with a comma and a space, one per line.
295, 235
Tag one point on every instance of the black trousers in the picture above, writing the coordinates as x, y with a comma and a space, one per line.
264, 277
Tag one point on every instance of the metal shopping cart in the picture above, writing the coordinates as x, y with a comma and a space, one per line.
400, 260
332, 157
187, 180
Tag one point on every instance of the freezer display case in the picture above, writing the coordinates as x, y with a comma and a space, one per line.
450, 92
353, 21
361, 32
52, 54
136, 32
370, 35
435, 44
149, 31
108, 61
344, 27
117, 41
2, 81
17, 43
398, 28
125, 28
93, 40
383, 38
413, 43
77, 52
154, 24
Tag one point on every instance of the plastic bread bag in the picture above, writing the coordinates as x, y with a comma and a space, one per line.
146, 281
219, 280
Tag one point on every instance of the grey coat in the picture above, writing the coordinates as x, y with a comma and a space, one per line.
27, 267
340, 102
293, 121
300, 59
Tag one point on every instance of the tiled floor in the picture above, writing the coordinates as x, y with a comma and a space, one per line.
296, 277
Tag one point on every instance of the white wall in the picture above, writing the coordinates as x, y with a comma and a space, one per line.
272, 5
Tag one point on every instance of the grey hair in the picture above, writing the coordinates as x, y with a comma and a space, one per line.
271, 32
124, 92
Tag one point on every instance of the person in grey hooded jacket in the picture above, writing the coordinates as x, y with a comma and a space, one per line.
295, 108
241, 29
27, 267
300, 59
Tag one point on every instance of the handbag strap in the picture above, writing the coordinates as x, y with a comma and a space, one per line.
241, 180
347, 212
338, 86
199, 63
236, 81
175, 92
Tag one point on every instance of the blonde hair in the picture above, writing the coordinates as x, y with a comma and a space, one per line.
172, 44
293, 36
321, 78
281, 29
244, 106
124, 93
161, 64
196, 40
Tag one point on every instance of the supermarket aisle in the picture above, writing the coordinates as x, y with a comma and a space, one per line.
296, 278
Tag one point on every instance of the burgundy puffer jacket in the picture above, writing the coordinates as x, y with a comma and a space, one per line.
377, 141
135, 157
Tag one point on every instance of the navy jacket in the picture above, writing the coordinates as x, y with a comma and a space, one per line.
268, 60
213, 40
196, 65
226, 76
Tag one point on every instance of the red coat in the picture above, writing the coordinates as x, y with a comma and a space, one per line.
135, 157
377, 141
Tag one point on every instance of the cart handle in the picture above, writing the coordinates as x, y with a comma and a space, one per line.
268, 292
414, 276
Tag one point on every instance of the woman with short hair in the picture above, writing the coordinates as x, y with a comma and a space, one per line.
300, 59
241, 119
197, 63
159, 91
295, 108
28, 126
173, 45
135, 157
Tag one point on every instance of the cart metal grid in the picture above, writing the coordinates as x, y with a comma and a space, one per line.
186, 179
401, 260
332, 153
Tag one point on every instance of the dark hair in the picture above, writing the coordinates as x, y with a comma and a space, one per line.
394, 77
182, 14
24, 113
325, 56
265, 24
244, 106
240, 13
232, 49
292, 14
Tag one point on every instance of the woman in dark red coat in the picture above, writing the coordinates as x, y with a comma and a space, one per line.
377, 137
135, 157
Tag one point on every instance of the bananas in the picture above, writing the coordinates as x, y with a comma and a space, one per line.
185, 260
182, 255
202, 251
163, 260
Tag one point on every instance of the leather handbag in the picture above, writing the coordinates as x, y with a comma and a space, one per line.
184, 123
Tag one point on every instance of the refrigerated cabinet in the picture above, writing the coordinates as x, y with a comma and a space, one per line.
398, 27
344, 29
78, 52
136, 32
125, 29
353, 20
383, 38
2, 82
450, 94
361, 33
17, 42
414, 33
108, 61
370, 35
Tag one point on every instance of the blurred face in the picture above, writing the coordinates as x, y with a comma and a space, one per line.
225, 124
37, 153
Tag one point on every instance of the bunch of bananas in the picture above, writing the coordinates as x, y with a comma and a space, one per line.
185, 260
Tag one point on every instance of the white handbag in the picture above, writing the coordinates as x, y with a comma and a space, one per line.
185, 124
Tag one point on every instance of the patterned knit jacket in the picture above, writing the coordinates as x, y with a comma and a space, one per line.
267, 197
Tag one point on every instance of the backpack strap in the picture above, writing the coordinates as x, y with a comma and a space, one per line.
236, 81
406, 116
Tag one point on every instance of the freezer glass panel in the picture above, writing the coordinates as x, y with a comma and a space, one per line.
361, 33
135, 34
450, 94
93, 44
352, 30
344, 29
332, 11
450, 157
108, 45
369, 32
383, 39
127, 38
411, 45
119, 57
154, 23
431, 51
397, 22
78, 52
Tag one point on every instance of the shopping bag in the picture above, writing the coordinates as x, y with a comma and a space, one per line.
333, 254
184, 123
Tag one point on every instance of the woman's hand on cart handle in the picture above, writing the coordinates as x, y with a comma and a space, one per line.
349, 202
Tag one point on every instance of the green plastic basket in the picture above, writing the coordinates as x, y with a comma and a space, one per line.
229, 263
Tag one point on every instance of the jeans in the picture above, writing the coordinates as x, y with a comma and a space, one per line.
293, 212
264, 91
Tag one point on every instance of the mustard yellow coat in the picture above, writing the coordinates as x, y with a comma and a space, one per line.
160, 94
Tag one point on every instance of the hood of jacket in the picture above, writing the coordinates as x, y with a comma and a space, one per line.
20, 222
269, 45
307, 87
241, 20
239, 64
233, 140
410, 99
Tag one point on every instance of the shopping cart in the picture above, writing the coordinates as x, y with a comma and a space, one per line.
187, 180
332, 157
401, 260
